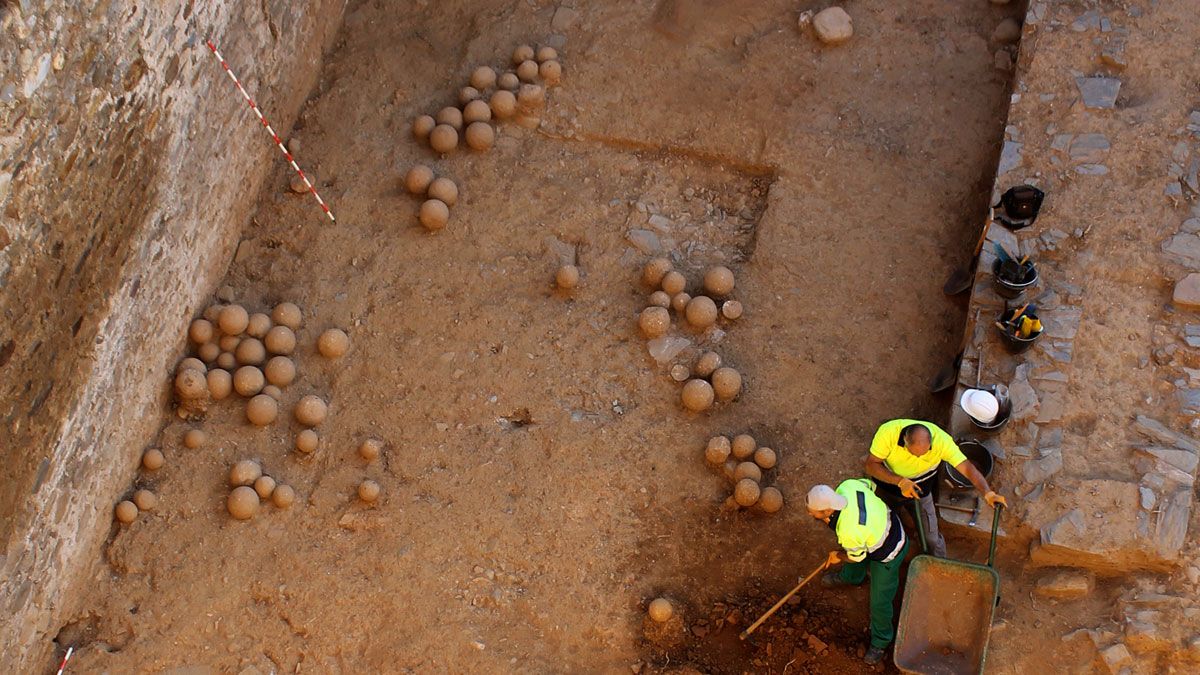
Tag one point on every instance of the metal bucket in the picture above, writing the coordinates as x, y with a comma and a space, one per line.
1009, 289
978, 455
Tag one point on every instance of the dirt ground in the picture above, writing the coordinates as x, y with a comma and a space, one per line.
540, 483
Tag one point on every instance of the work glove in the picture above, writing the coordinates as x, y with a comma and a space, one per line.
835, 558
909, 489
992, 499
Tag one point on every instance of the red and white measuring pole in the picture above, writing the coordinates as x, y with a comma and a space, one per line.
63, 666
228, 71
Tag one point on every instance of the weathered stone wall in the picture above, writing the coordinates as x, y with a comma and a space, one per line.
128, 165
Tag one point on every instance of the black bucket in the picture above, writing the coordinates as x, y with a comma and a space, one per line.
1003, 273
1015, 344
1002, 415
977, 455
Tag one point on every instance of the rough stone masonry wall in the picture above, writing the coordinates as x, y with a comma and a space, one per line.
128, 166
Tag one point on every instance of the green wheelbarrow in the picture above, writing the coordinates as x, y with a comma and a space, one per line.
946, 614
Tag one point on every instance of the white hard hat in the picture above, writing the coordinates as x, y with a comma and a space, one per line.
980, 404
822, 497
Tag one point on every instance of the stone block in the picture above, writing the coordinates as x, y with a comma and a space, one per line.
1187, 292
1098, 92
1171, 530
1065, 584
1180, 459
1042, 469
1113, 659
1183, 248
1157, 431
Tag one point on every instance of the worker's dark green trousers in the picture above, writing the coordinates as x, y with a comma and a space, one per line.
885, 581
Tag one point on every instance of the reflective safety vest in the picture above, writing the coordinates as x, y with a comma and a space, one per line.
863, 526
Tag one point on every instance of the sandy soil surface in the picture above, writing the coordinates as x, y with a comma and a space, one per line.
540, 483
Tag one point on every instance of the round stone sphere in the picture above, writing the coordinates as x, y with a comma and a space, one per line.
422, 126
732, 309
145, 500
527, 71
503, 104
522, 54
697, 395
729, 467
727, 383
467, 94
226, 361
567, 277
208, 352
483, 77
220, 384
229, 343
191, 384
443, 138
434, 214
250, 352
368, 491
152, 459
248, 381
551, 73
262, 410
280, 340
476, 111
546, 53
673, 283
418, 178
126, 512
747, 470
191, 363
258, 325
660, 299
273, 391
287, 314
194, 438
747, 492
244, 472
445, 190
333, 343
310, 411
242, 503
679, 302
212, 313
654, 271
508, 81
307, 441
701, 312
765, 457
264, 486
718, 281
450, 116
370, 449
660, 610
283, 496
743, 446
233, 319
717, 450
530, 97
200, 331
771, 500
707, 364
280, 371
480, 136
654, 322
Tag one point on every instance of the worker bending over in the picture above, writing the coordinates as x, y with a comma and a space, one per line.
904, 460
873, 542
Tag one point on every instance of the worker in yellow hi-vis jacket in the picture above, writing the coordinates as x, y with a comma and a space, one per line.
873, 542
904, 460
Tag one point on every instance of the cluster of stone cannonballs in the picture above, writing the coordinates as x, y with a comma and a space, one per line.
236, 352
743, 462
707, 380
251, 487
440, 194
488, 97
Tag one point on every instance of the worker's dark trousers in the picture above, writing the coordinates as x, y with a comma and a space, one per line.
885, 581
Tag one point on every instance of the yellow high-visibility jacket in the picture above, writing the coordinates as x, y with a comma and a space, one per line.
864, 524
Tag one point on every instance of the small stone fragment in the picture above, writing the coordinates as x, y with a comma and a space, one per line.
833, 26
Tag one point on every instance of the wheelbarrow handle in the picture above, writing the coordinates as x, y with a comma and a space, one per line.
920, 524
995, 527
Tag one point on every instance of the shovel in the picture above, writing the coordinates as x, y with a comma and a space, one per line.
746, 633
947, 376
962, 278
